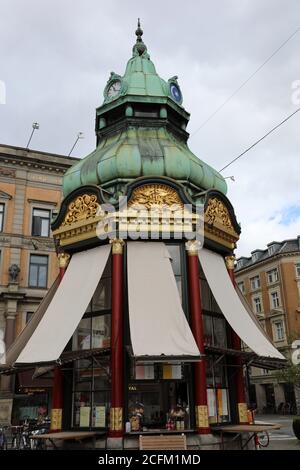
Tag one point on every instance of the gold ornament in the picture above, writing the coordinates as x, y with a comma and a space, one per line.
156, 196
230, 260
116, 419
63, 260
216, 211
117, 246
82, 208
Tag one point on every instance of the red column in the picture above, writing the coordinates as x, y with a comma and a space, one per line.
236, 344
201, 410
57, 390
116, 428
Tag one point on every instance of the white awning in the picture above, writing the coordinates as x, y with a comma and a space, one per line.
231, 306
20, 342
158, 326
67, 307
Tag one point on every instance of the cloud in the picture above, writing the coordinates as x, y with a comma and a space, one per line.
56, 57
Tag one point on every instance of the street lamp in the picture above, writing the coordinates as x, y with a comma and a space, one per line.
79, 136
35, 126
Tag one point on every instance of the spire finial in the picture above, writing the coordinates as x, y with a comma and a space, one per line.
139, 48
139, 32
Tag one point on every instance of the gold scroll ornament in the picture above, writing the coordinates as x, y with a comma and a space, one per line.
56, 418
82, 208
243, 415
202, 416
216, 211
155, 195
116, 419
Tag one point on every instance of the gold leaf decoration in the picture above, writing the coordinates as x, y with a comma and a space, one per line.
156, 196
217, 212
82, 208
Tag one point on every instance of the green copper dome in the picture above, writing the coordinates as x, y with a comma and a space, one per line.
140, 131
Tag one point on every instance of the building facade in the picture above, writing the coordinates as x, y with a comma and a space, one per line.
270, 281
30, 196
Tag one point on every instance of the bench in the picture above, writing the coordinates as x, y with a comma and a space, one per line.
163, 442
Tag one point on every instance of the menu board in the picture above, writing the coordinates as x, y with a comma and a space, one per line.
84, 420
99, 416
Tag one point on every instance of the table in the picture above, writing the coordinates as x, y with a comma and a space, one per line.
240, 429
66, 436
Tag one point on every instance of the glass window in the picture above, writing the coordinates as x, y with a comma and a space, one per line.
219, 326
82, 335
208, 330
91, 393
2, 207
38, 271
217, 391
163, 403
102, 297
101, 330
241, 286
40, 222
297, 266
255, 282
257, 305
279, 331
272, 276
275, 299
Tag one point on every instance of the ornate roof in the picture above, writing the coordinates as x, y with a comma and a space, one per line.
141, 131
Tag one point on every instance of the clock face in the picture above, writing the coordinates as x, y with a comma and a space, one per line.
114, 89
175, 93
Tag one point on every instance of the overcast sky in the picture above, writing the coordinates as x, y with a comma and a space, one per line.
56, 56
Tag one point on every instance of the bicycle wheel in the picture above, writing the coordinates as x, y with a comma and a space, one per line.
263, 439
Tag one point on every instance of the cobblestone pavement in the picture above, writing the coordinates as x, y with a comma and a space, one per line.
281, 439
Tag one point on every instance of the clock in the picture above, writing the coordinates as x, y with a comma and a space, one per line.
114, 89
175, 92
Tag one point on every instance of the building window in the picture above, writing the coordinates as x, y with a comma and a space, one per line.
255, 282
38, 271
297, 266
272, 276
41, 222
275, 299
217, 390
241, 286
279, 331
257, 305
2, 207
29, 316
271, 250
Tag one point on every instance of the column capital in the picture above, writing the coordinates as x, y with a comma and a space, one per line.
230, 261
192, 247
117, 246
63, 260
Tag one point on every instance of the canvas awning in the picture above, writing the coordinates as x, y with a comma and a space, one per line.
66, 308
158, 326
18, 345
231, 306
